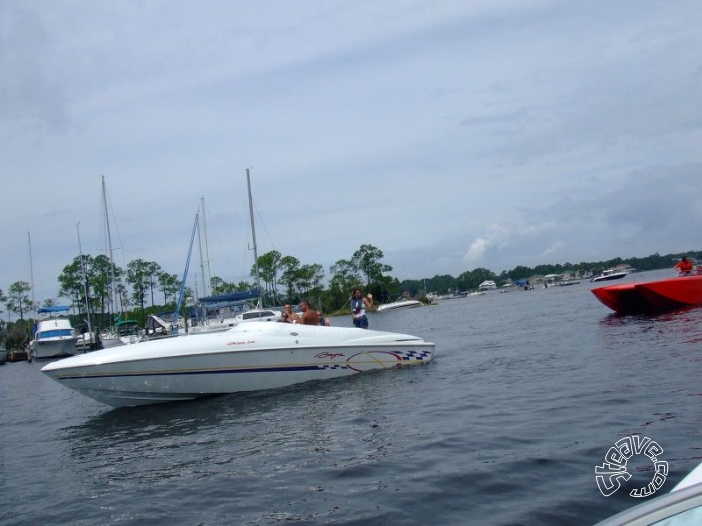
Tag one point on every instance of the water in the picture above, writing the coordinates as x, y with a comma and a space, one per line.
527, 392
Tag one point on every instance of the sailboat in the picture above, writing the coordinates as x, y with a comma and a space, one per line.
122, 332
232, 308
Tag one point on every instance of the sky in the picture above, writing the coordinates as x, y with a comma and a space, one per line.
450, 135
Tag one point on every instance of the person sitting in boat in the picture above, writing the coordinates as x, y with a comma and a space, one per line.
359, 304
289, 316
684, 266
309, 315
324, 322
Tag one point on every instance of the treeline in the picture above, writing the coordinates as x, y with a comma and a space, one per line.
100, 290
470, 280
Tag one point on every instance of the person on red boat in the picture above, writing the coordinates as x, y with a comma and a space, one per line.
684, 266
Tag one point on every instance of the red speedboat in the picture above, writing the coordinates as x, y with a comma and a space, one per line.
653, 296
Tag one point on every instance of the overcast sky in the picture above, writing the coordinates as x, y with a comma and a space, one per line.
451, 135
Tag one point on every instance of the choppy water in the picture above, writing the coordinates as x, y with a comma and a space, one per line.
527, 392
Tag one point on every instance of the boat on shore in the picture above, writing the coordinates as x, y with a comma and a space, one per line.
53, 336
610, 274
398, 305
652, 297
248, 357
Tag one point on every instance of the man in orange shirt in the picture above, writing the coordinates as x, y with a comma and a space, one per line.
684, 266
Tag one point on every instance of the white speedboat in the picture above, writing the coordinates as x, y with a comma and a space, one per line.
54, 336
610, 274
487, 285
248, 357
399, 304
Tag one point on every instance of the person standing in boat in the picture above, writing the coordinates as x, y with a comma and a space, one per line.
309, 315
359, 304
684, 266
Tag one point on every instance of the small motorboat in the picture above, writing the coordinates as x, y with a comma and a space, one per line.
610, 274
248, 357
399, 304
653, 296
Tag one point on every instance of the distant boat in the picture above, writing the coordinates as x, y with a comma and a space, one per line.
610, 274
53, 336
567, 282
123, 332
399, 304
653, 296
487, 285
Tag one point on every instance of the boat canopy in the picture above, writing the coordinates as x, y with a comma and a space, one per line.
231, 297
57, 308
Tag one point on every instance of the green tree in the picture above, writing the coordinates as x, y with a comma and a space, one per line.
290, 275
3, 299
100, 275
139, 277
75, 282
18, 300
268, 268
152, 270
367, 259
169, 284
345, 276
310, 278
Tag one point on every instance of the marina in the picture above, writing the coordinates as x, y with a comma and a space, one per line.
505, 426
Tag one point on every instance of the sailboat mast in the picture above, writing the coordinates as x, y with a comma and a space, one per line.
253, 235
113, 301
85, 281
208, 289
31, 274
202, 236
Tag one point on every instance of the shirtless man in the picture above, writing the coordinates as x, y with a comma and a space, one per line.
309, 315
288, 315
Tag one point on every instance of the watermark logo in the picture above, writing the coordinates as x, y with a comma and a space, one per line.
609, 475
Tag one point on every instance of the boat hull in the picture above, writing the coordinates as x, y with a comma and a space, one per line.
54, 337
409, 304
53, 348
245, 358
652, 297
609, 277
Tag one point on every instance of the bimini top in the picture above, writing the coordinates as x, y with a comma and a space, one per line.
57, 308
231, 297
